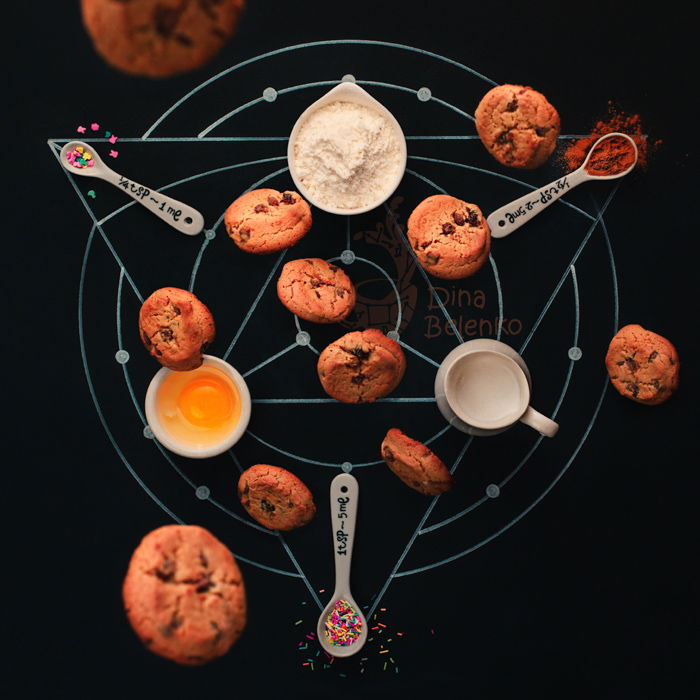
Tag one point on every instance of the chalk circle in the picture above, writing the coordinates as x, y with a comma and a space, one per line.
121, 356
202, 492
303, 338
575, 353
209, 234
348, 257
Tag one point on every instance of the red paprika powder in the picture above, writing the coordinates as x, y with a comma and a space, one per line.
616, 120
612, 156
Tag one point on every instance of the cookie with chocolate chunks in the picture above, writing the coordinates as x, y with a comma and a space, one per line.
267, 221
361, 366
276, 498
184, 595
159, 38
450, 237
176, 328
517, 125
643, 366
415, 464
316, 290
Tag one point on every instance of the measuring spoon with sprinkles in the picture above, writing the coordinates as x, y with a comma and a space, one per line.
342, 628
80, 159
611, 156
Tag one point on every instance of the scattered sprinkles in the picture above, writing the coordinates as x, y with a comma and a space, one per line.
343, 624
80, 158
380, 654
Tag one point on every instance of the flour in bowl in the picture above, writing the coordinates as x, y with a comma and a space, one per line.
348, 156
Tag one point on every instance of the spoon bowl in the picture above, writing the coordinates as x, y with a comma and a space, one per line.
512, 216
342, 628
76, 157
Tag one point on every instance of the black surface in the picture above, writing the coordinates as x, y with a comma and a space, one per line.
592, 594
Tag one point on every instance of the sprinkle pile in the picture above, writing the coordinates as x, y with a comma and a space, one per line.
80, 158
343, 624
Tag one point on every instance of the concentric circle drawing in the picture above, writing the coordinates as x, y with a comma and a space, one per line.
549, 291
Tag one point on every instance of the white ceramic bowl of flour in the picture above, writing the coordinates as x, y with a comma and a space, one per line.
346, 152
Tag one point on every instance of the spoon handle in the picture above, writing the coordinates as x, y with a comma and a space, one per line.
344, 494
179, 215
509, 217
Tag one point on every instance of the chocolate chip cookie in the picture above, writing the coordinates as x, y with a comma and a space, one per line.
643, 366
184, 594
159, 38
276, 498
450, 238
176, 327
361, 366
415, 464
517, 125
316, 290
267, 221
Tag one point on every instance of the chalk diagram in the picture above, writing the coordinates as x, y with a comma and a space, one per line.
108, 269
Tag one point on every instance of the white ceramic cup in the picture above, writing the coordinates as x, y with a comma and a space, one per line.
184, 449
489, 390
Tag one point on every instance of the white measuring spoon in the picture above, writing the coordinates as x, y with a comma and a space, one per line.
180, 216
344, 494
509, 217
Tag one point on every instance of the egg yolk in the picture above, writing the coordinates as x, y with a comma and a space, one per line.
206, 402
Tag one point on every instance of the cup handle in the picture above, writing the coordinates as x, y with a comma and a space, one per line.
541, 423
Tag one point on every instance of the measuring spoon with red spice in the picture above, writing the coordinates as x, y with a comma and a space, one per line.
611, 156
80, 159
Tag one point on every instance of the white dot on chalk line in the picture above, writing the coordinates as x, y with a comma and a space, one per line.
393, 335
346, 467
347, 257
492, 491
269, 94
575, 353
209, 234
424, 94
303, 338
348, 78
202, 492
148, 433
121, 356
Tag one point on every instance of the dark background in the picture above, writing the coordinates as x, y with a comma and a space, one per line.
592, 595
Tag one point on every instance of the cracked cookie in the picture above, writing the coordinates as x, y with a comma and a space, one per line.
316, 290
267, 221
517, 125
159, 38
276, 498
450, 238
184, 594
415, 464
361, 366
642, 365
176, 327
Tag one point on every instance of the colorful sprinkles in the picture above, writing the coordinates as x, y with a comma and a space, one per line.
343, 624
80, 158
380, 655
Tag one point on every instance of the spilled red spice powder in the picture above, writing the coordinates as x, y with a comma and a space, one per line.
616, 120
